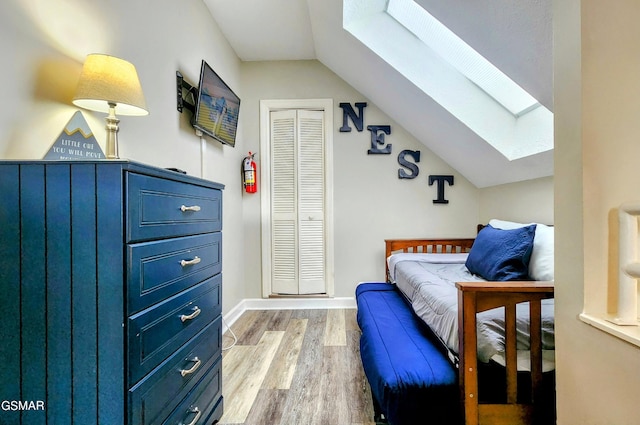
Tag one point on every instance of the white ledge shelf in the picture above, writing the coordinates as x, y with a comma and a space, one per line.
631, 334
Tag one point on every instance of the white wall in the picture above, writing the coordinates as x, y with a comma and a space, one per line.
529, 201
43, 44
596, 109
371, 203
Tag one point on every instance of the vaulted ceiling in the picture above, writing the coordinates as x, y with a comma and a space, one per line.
515, 36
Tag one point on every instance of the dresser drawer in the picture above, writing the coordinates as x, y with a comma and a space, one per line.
201, 402
153, 398
159, 269
160, 208
155, 333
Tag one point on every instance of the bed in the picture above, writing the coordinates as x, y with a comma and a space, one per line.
482, 321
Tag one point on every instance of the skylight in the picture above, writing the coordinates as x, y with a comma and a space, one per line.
462, 56
450, 72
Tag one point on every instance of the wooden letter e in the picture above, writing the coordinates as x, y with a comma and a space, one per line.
377, 138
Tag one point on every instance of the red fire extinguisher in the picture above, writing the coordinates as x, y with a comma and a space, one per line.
249, 174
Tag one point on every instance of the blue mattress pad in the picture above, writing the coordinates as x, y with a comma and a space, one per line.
411, 378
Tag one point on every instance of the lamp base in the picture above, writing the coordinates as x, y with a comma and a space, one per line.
112, 133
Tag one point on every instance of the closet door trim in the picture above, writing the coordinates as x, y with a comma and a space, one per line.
266, 107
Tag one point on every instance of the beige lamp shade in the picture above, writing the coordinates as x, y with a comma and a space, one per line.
108, 80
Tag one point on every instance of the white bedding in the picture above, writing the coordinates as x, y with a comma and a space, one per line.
428, 281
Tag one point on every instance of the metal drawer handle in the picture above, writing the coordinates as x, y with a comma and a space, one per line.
195, 260
198, 413
196, 312
184, 208
185, 372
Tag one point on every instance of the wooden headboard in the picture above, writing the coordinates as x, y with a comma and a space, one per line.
429, 245
435, 246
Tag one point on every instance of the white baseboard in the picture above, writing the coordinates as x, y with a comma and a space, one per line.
284, 304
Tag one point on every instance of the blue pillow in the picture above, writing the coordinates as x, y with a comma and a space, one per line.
501, 255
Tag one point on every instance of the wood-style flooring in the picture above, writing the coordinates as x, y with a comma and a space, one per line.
295, 367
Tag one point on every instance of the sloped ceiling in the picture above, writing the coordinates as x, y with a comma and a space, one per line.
514, 35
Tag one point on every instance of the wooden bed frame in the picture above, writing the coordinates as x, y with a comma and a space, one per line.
475, 297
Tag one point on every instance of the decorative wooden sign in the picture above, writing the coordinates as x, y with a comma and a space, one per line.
379, 146
75, 142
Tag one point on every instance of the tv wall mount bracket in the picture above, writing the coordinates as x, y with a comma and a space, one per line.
191, 92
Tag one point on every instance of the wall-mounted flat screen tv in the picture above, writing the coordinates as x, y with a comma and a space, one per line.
217, 107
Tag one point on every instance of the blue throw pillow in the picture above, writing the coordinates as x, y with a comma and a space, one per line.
501, 255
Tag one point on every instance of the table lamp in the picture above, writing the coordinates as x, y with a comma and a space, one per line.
105, 83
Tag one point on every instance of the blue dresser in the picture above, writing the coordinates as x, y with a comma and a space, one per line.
110, 295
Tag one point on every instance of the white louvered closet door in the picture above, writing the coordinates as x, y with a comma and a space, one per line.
297, 202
